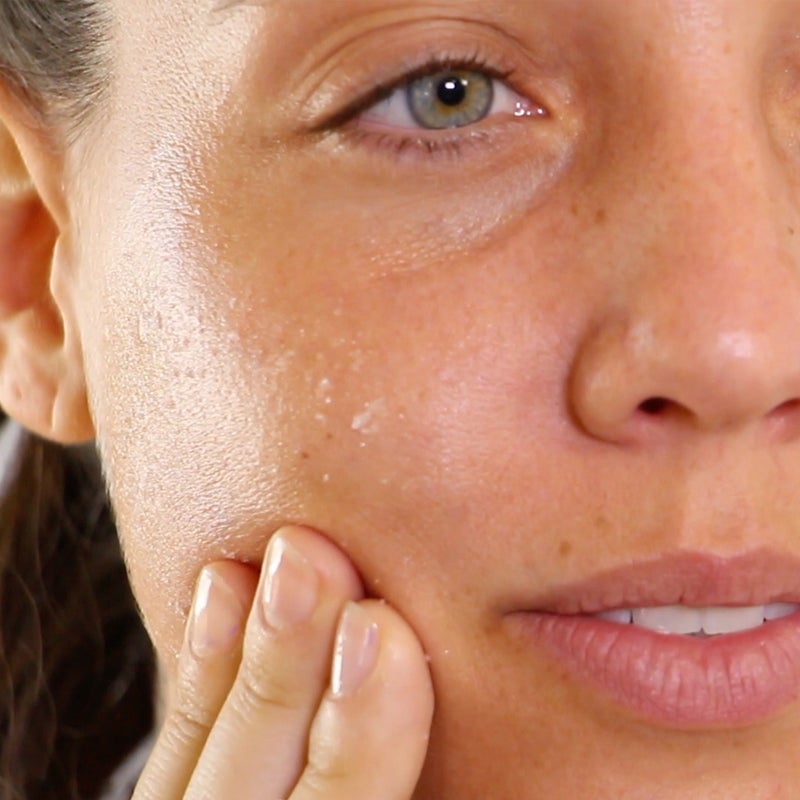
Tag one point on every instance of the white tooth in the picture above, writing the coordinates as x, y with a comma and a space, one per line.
780, 610
729, 619
669, 619
622, 616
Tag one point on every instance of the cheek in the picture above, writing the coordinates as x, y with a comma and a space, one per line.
241, 380
375, 418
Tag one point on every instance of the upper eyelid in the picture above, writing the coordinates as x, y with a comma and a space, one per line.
343, 80
385, 88
395, 55
352, 67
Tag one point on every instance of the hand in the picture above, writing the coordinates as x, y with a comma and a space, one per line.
313, 693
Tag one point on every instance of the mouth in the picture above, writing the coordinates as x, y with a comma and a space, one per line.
684, 641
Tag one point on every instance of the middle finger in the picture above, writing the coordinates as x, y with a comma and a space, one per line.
259, 744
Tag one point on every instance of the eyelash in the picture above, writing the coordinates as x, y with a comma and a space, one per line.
446, 143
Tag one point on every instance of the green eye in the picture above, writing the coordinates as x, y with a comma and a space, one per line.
451, 98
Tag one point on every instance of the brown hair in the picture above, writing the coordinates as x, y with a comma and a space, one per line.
53, 53
76, 668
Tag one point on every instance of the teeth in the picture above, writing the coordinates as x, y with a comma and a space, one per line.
731, 620
710, 621
669, 619
622, 616
779, 610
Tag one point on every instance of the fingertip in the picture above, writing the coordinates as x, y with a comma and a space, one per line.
402, 661
242, 578
223, 594
370, 740
332, 563
355, 650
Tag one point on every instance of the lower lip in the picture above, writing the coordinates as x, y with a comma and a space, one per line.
678, 681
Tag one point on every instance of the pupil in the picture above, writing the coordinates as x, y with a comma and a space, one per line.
452, 91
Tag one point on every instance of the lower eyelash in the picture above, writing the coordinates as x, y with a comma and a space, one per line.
404, 145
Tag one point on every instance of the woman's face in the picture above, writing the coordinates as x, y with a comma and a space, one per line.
548, 360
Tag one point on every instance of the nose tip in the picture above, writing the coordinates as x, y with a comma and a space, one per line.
695, 325
637, 382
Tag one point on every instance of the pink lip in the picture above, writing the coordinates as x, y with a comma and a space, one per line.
673, 680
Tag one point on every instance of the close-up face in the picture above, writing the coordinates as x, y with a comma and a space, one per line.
503, 298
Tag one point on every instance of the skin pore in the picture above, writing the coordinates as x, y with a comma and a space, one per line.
486, 362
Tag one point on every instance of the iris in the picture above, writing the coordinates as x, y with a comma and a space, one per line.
450, 98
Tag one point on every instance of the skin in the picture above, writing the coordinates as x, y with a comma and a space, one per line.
440, 362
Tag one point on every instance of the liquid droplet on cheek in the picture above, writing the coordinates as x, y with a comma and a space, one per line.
368, 421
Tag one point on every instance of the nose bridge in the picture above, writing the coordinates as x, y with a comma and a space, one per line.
718, 265
709, 144
707, 321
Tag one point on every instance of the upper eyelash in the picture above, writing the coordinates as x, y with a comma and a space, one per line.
385, 88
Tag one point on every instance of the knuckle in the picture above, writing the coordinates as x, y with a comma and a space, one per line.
263, 684
329, 761
323, 779
192, 703
186, 727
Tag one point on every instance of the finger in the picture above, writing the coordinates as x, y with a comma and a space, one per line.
370, 735
207, 668
259, 743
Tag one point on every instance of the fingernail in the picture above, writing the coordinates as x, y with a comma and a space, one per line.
216, 618
355, 651
291, 586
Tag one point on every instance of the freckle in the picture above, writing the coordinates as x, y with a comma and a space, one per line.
727, 49
565, 548
573, 209
600, 216
602, 523
329, 436
305, 456
648, 47
791, 231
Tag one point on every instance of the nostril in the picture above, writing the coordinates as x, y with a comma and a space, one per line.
653, 406
786, 415
790, 407
784, 421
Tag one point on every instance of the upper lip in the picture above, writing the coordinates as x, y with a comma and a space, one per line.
758, 577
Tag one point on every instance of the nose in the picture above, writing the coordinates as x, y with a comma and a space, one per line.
699, 325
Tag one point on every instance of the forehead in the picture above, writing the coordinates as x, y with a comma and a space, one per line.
201, 39
168, 23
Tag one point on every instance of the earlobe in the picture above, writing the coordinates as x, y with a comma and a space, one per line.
41, 373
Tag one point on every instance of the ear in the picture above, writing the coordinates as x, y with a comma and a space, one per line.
41, 367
